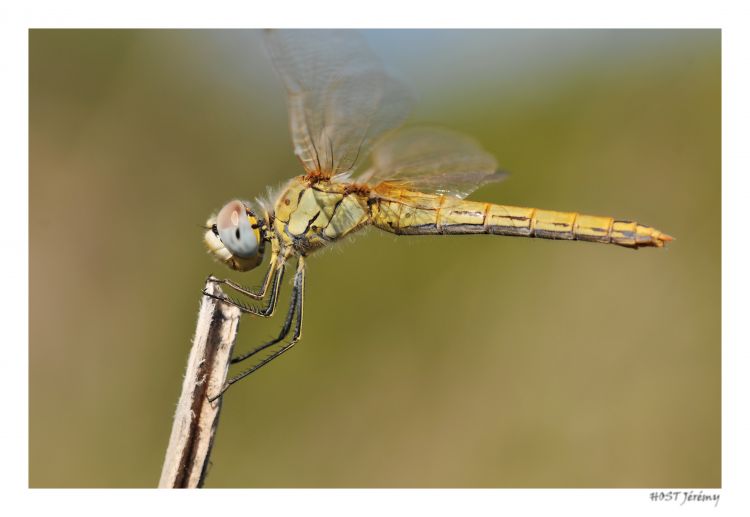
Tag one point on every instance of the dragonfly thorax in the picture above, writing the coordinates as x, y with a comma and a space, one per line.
311, 213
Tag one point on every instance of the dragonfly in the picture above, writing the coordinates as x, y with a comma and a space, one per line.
362, 169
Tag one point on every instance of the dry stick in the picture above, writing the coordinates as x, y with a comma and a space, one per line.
196, 419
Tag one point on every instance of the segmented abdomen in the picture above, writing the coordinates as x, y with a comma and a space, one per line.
415, 213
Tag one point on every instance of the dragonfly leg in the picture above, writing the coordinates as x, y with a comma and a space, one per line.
266, 311
282, 334
295, 312
250, 293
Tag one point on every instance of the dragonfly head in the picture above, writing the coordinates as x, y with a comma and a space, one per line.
235, 236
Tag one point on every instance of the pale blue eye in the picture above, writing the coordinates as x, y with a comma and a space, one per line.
235, 231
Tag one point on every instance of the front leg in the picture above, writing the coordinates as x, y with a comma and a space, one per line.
255, 295
264, 312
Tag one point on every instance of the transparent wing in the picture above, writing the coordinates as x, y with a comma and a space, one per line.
432, 160
340, 98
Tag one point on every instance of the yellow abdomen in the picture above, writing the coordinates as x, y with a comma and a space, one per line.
407, 212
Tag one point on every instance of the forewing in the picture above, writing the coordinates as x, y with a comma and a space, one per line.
432, 160
340, 98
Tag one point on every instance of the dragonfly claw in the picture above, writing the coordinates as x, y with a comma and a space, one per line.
216, 297
215, 280
218, 395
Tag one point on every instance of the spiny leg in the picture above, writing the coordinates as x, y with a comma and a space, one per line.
282, 334
255, 295
266, 311
295, 309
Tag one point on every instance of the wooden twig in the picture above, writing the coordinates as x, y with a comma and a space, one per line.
196, 419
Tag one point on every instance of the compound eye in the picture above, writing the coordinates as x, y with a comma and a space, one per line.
235, 230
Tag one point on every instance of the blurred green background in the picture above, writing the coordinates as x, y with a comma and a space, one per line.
426, 361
